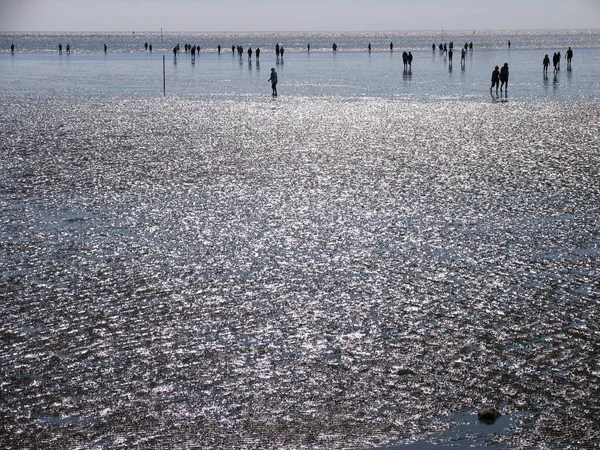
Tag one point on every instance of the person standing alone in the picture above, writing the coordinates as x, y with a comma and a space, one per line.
273, 81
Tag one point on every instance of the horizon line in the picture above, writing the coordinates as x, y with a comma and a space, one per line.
304, 31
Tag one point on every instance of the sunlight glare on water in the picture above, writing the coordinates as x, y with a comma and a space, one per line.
330, 270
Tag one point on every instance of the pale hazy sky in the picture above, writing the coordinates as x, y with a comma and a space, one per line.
302, 15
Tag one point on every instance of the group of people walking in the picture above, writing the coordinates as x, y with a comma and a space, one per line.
556, 61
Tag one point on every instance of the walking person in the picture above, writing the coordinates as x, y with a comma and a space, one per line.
12, 48
273, 81
495, 80
504, 79
545, 63
569, 56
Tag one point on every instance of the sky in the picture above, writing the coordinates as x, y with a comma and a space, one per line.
301, 15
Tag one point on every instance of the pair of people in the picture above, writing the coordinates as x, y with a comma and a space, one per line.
500, 77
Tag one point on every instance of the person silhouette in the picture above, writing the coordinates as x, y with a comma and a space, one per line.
405, 60
233, 49
495, 80
68, 49
273, 81
257, 52
450, 53
509, 44
334, 47
60, 49
308, 47
12, 48
504, 78
150, 47
277, 50
433, 46
105, 48
219, 49
410, 58
249, 52
545, 63
462, 56
391, 46
569, 56
369, 47
281, 51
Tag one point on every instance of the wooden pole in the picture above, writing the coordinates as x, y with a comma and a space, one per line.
164, 78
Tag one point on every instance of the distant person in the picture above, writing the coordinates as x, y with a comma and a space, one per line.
273, 81
504, 78
509, 44
445, 49
281, 51
249, 52
68, 49
433, 47
410, 58
558, 60
462, 56
466, 46
12, 48
405, 60
219, 49
555, 61
150, 47
146, 46
495, 80
391, 46
369, 47
545, 63
194, 53
450, 53
257, 53
233, 49
175, 52
277, 50
60, 49
471, 46
308, 47
334, 47
441, 47
568, 55
105, 48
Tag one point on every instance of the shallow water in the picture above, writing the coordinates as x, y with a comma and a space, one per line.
331, 270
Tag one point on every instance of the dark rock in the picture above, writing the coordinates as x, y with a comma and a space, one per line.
488, 415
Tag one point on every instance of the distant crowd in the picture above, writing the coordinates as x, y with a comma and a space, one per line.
499, 75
